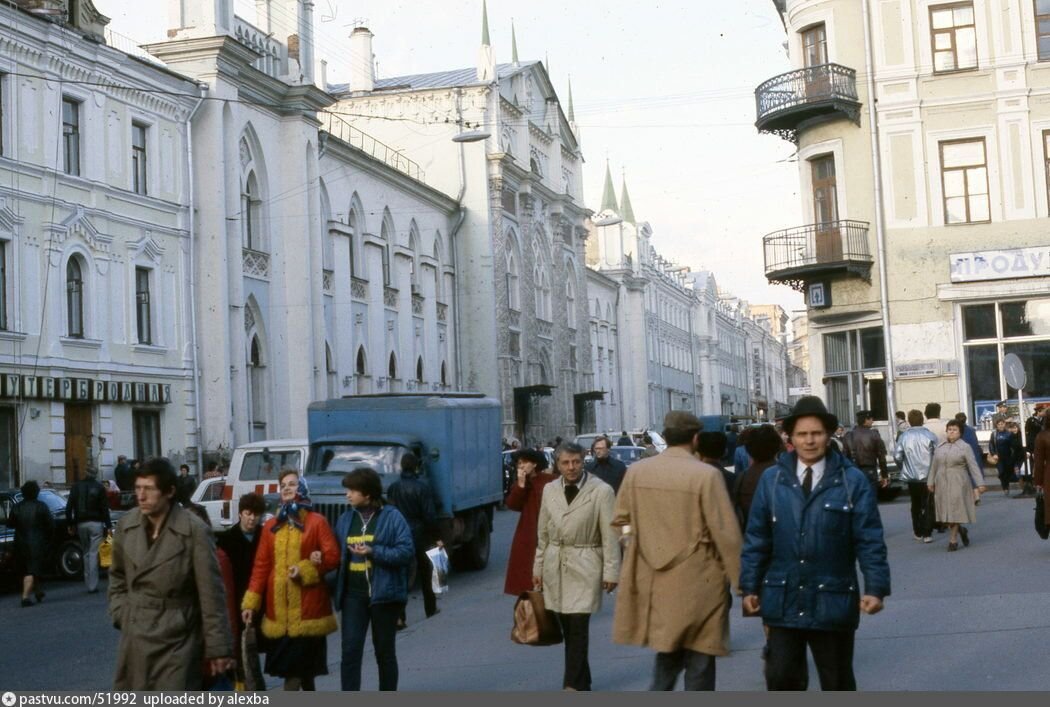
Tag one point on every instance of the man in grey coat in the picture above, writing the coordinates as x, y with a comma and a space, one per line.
165, 591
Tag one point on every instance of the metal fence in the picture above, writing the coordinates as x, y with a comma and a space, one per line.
336, 126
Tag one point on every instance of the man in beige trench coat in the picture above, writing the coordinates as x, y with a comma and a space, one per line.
682, 556
165, 591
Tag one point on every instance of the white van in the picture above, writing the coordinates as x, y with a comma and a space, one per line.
255, 467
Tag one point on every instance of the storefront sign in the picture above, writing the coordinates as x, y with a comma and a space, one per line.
25, 387
918, 370
1000, 264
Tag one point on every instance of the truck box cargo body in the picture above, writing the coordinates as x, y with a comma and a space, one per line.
456, 436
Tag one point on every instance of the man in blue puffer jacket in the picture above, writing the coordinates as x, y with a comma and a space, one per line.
814, 518
372, 583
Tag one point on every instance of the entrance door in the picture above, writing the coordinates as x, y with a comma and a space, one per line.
828, 239
78, 441
815, 53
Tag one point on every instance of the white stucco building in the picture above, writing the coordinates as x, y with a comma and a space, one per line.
523, 312
96, 353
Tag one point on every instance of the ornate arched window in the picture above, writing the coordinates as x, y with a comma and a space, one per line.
257, 391
251, 214
75, 298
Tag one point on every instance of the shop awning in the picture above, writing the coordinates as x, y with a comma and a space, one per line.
590, 395
533, 390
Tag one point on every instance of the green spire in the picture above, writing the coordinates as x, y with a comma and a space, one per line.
572, 111
513, 44
608, 194
547, 63
484, 24
626, 212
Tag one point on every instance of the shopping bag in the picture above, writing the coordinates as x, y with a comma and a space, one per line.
105, 552
1040, 517
533, 624
253, 675
439, 574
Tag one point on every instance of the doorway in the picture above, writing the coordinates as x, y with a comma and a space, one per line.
828, 238
78, 441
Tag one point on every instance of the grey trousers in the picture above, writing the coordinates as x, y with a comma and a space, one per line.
90, 534
699, 670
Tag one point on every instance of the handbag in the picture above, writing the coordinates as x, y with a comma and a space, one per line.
533, 624
1040, 517
105, 552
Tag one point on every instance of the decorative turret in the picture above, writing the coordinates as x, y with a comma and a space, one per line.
609, 193
513, 45
486, 57
626, 212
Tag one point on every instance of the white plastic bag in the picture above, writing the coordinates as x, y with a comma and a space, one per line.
439, 576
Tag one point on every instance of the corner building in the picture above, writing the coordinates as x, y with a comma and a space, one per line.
963, 126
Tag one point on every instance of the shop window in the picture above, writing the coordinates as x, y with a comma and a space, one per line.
146, 424
979, 322
855, 366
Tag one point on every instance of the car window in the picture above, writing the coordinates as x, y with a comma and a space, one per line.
214, 491
338, 459
265, 465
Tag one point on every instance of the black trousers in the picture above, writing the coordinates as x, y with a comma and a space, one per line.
424, 572
358, 614
699, 670
922, 517
786, 667
576, 628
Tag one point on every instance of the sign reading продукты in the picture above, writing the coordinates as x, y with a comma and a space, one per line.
1000, 264
17, 386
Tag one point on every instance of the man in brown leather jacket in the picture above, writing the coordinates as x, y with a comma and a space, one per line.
865, 448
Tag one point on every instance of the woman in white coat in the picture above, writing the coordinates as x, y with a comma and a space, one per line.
577, 555
949, 481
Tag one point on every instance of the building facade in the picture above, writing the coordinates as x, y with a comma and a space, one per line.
963, 127
497, 137
96, 355
324, 262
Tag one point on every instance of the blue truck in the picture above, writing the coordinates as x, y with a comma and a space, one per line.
456, 436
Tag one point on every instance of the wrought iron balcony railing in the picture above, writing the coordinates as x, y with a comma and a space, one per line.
784, 102
795, 255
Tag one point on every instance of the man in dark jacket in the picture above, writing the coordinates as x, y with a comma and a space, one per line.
865, 448
87, 510
416, 500
814, 518
605, 466
122, 474
712, 450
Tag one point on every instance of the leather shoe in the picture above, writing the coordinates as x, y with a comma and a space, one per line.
965, 536
952, 547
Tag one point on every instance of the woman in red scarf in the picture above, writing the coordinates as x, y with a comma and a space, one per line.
296, 550
524, 496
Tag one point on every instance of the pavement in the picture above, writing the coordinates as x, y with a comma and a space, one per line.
968, 620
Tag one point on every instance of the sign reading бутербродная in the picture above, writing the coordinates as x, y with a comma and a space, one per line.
1000, 264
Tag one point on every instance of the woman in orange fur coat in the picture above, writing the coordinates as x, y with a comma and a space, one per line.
295, 552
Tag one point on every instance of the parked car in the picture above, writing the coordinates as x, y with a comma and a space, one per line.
628, 455
255, 467
209, 495
586, 440
65, 557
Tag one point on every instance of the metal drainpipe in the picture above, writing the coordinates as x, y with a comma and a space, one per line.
880, 232
460, 218
193, 281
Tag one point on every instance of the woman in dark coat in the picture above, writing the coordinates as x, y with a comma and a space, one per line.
33, 526
525, 495
763, 444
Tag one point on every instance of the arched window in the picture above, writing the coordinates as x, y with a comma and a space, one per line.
331, 374
513, 283
360, 369
439, 271
352, 222
257, 391
392, 368
413, 245
251, 214
419, 370
75, 298
444, 375
386, 233
570, 301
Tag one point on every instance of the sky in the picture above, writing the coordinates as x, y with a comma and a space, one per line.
664, 91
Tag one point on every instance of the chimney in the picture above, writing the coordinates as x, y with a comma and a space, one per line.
362, 74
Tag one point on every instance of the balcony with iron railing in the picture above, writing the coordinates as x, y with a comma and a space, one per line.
815, 93
797, 255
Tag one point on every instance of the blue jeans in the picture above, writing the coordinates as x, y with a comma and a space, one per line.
90, 535
357, 616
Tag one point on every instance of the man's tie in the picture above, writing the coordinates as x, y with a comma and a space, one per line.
807, 482
570, 492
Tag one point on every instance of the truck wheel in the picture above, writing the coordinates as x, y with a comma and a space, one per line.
476, 553
70, 560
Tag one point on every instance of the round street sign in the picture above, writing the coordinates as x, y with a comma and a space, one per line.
1013, 370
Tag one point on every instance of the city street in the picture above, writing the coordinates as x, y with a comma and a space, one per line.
969, 620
